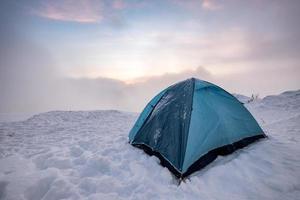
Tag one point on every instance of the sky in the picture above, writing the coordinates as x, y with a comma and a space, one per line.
117, 54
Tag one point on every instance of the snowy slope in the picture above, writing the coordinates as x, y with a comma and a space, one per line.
11, 117
85, 155
242, 98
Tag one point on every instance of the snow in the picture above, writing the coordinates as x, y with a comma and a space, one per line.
86, 155
242, 98
11, 117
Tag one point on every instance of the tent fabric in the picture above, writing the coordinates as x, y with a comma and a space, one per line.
143, 116
188, 124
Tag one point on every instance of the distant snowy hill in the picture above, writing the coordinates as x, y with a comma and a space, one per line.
86, 155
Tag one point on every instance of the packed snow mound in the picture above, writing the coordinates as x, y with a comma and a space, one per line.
86, 155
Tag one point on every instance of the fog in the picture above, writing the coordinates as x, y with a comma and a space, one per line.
32, 79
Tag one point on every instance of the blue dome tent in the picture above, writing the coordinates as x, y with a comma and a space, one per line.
190, 123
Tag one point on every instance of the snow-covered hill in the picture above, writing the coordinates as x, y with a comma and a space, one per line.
85, 155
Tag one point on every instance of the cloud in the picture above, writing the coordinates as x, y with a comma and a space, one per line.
27, 86
38, 88
82, 11
105, 93
210, 5
44, 91
119, 4
31, 82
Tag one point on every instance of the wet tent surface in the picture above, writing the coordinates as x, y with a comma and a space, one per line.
166, 128
191, 123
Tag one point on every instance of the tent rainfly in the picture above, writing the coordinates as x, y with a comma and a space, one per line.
190, 123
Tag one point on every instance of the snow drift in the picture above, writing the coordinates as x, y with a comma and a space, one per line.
86, 155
